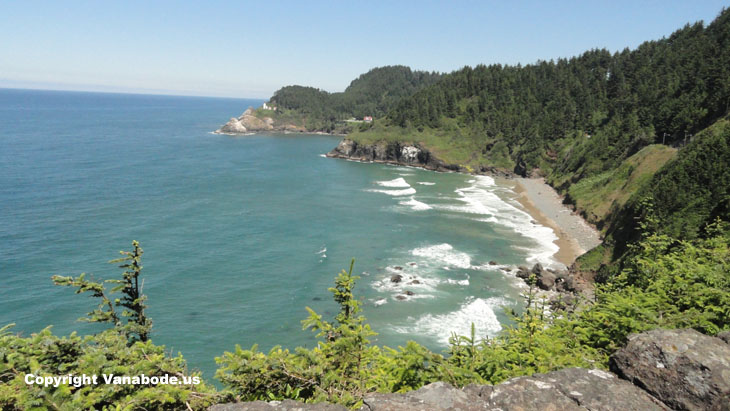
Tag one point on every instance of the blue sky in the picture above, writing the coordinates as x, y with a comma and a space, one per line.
250, 49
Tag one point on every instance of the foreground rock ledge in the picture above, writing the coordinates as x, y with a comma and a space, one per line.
657, 370
568, 389
686, 369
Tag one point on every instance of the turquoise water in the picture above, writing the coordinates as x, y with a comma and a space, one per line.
241, 233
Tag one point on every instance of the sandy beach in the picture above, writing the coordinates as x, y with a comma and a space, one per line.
575, 236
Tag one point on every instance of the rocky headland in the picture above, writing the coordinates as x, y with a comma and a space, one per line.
656, 370
248, 122
406, 154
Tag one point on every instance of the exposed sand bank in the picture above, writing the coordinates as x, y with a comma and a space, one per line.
575, 236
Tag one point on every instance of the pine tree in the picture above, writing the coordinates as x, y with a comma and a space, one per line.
137, 326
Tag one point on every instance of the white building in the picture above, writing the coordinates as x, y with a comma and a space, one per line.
268, 107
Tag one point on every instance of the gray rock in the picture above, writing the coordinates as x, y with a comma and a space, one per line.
523, 272
436, 396
683, 368
565, 282
569, 389
546, 281
396, 278
286, 405
725, 336
233, 126
537, 269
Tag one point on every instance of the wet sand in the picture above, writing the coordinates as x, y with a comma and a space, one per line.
575, 236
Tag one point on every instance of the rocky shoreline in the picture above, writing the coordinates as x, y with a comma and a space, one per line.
405, 154
563, 285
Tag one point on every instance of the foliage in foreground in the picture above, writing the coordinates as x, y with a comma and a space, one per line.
123, 350
665, 283
668, 283
46, 355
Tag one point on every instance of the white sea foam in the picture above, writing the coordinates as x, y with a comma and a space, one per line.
380, 301
322, 251
426, 183
478, 311
444, 253
458, 282
405, 192
409, 280
406, 297
480, 198
397, 183
415, 204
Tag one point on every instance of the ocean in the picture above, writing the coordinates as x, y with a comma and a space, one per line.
242, 233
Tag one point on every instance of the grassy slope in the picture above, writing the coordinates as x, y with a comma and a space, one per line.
450, 143
599, 196
695, 183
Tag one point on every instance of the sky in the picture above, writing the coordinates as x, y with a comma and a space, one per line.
251, 49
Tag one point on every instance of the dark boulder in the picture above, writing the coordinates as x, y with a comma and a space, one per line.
523, 272
685, 369
396, 278
546, 281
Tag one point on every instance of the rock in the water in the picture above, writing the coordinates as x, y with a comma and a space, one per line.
247, 122
569, 389
546, 281
409, 292
492, 262
286, 405
415, 282
234, 125
537, 269
401, 297
523, 272
683, 368
397, 267
396, 278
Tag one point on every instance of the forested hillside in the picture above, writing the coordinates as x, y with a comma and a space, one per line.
583, 122
372, 94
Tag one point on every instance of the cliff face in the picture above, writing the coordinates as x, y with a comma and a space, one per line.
249, 123
409, 154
